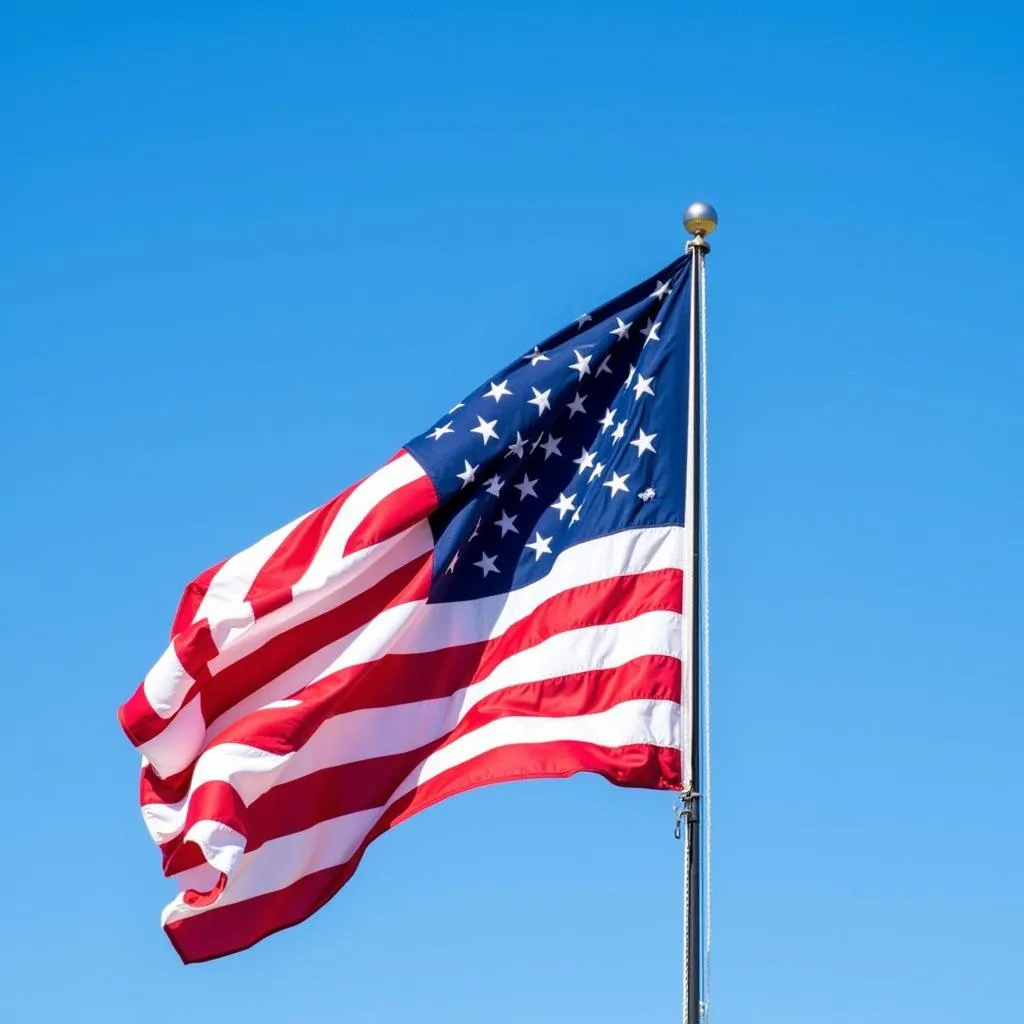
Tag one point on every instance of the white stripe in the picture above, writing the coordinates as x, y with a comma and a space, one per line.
378, 732
364, 498
176, 746
281, 862
222, 846
202, 878
166, 683
235, 577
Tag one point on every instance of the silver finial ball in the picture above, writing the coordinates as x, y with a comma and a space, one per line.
700, 219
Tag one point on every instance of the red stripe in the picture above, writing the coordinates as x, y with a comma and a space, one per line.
398, 511
404, 678
272, 586
343, 789
229, 929
193, 647
192, 598
212, 801
138, 719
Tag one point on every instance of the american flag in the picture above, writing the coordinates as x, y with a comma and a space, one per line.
502, 600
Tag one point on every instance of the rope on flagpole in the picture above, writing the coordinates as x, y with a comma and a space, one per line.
687, 837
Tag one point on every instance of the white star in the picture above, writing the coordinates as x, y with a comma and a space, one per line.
581, 320
605, 367
540, 546
585, 461
644, 443
596, 472
476, 530
507, 524
650, 332
536, 442
576, 515
564, 504
439, 432
497, 391
662, 291
619, 432
494, 485
516, 447
550, 447
647, 495
540, 399
643, 386
456, 408
582, 364
536, 356
622, 331
608, 420
451, 564
486, 563
525, 488
617, 483
485, 429
576, 405
629, 376
468, 475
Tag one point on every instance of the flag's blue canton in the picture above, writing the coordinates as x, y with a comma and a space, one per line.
582, 437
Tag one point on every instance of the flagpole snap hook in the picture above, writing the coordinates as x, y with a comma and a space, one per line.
684, 809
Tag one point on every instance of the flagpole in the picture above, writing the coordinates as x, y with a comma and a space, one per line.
700, 219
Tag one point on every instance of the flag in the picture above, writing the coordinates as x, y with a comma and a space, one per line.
504, 599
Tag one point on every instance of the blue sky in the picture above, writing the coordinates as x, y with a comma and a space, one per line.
248, 252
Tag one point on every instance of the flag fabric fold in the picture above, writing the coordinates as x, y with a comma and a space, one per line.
503, 599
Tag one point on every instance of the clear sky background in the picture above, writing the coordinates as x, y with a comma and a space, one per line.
247, 250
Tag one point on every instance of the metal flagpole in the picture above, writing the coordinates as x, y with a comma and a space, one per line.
700, 219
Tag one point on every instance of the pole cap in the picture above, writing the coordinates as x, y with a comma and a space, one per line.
700, 219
